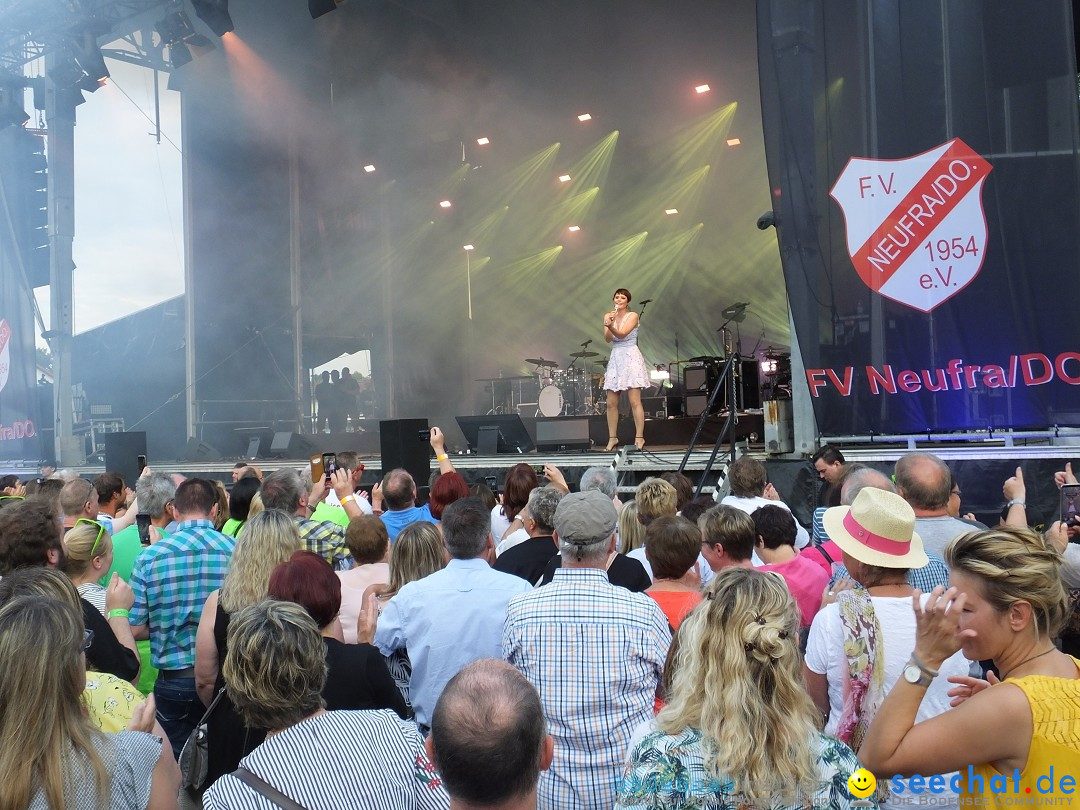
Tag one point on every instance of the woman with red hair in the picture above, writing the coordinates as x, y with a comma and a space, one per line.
357, 677
520, 481
447, 488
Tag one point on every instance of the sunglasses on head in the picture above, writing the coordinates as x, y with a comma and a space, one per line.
87, 640
101, 531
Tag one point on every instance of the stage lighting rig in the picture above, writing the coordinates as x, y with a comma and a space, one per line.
178, 35
215, 13
316, 8
12, 111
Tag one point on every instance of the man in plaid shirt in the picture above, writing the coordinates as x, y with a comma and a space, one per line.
171, 581
288, 491
594, 651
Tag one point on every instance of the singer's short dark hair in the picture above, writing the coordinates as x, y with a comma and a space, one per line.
625, 292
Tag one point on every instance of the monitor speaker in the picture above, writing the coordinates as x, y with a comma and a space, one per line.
400, 445
289, 444
563, 433
197, 450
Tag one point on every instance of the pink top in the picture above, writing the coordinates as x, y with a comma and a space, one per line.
353, 584
806, 580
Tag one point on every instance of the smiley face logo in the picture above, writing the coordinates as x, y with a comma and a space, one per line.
861, 783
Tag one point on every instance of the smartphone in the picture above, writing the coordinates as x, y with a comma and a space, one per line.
142, 520
142, 464
424, 435
493, 483
316, 468
1070, 504
329, 464
539, 470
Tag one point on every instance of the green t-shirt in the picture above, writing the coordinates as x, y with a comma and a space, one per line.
232, 527
334, 514
126, 547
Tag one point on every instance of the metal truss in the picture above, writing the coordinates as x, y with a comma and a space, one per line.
29, 28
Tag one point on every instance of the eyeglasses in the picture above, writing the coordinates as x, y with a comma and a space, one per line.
101, 532
87, 640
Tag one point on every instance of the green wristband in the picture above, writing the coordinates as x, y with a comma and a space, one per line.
118, 613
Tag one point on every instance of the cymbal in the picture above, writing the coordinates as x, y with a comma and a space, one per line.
585, 354
540, 361
505, 379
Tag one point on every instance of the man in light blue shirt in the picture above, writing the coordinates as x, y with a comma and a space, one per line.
398, 490
454, 616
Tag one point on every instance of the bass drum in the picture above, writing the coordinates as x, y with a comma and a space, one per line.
551, 401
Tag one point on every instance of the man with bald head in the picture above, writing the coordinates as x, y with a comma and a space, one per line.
489, 738
925, 482
398, 492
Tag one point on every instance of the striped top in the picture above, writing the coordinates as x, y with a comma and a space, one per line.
357, 760
171, 580
595, 653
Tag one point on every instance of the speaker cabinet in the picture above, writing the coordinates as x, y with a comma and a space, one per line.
563, 433
289, 444
122, 451
400, 445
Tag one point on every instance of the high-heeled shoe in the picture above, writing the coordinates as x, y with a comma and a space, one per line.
613, 442
639, 442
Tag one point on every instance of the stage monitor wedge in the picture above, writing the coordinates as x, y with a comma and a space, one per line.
289, 444
497, 433
563, 433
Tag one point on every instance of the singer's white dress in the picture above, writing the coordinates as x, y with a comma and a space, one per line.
626, 367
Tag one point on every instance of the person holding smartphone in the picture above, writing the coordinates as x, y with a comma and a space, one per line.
626, 368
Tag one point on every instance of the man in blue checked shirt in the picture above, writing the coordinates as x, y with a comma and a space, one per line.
594, 651
171, 580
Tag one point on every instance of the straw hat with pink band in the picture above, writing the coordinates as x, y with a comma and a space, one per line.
877, 529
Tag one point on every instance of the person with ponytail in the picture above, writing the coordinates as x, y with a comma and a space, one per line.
739, 728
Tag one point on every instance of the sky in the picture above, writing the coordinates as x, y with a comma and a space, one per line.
129, 238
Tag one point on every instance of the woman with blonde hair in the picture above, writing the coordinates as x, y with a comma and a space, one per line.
88, 555
1006, 603
738, 727
631, 530
52, 757
268, 539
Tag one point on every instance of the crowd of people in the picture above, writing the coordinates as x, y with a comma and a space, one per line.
544, 646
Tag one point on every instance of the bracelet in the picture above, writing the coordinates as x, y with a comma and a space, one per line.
1016, 502
933, 673
347, 498
118, 613
442, 456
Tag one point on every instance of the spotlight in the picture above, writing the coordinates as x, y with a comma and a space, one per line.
702, 88
445, 204
574, 228
316, 8
766, 221
92, 62
671, 211
179, 55
483, 141
564, 178
369, 168
584, 117
468, 247
175, 27
733, 141
215, 13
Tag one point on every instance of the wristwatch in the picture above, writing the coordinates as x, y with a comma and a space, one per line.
917, 673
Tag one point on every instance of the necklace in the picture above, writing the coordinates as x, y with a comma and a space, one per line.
1026, 660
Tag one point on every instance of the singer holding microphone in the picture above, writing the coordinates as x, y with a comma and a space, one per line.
626, 368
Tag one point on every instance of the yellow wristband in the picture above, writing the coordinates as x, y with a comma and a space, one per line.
442, 456
347, 498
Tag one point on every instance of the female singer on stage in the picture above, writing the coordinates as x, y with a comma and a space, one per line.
626, 368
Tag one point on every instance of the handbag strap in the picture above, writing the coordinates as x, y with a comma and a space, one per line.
265, 789
210, 708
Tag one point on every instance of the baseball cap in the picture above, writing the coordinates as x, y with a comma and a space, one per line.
585, 517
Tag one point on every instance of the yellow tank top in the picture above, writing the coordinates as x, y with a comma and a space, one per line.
1055, 747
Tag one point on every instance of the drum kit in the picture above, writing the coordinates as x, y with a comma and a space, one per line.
551, 390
